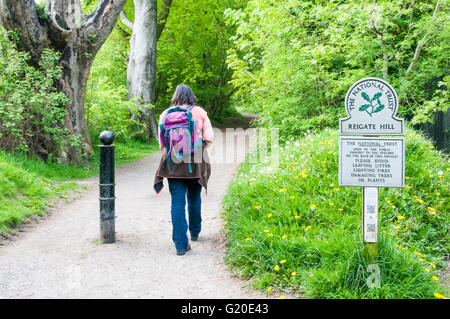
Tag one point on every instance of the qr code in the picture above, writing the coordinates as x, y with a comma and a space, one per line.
371, 228
371, 209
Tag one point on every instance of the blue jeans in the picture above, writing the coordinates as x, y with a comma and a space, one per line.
179, 187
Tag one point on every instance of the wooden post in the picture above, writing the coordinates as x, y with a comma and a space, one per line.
107, 188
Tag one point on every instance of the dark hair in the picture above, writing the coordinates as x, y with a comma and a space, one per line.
183, 95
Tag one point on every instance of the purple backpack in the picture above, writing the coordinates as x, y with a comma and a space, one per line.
179, 134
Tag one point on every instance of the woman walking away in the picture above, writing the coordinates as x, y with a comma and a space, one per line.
184, 133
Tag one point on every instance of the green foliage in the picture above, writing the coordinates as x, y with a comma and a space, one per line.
294, 60
40, 8
439, 102
32, 111
307, 237
107, 105
192, 50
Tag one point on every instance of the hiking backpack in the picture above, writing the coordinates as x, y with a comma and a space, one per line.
179, 134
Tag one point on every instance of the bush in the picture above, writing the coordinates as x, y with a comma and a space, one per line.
32, 112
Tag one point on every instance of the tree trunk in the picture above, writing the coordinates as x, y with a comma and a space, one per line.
78, 37
141, 72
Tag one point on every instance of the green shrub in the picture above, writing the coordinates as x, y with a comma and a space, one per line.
32, 112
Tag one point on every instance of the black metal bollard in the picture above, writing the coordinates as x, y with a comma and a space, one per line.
107, 188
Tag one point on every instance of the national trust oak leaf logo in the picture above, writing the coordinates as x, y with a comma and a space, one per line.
374, 105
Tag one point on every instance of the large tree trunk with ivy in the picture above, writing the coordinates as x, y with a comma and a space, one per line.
62, 26
141, 73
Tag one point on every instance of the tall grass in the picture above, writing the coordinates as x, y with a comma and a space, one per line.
293, 228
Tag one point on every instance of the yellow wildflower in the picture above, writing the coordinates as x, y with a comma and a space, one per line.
293, 273
276, 267
269, 215
426, 270
282, 190
432, 265
269, 289
439, 296
282, 261
284, 237
281, 297
247, 239
313, 206
435, 278
340, 209
307, 228
400, 217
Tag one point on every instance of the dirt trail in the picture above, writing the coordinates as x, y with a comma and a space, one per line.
59, 257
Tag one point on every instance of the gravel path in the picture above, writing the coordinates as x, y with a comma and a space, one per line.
59, 256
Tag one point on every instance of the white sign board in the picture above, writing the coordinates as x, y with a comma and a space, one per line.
371, 162
371, 105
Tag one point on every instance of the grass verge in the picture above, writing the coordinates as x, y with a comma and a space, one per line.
307, 238
28, 186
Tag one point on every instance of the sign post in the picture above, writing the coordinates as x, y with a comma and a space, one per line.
365, 159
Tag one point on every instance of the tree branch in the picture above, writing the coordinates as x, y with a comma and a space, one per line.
422, 42
162, 18
22, 15
125, 20
101, 22
65, 15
